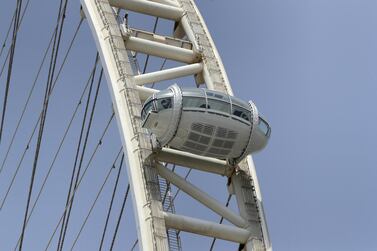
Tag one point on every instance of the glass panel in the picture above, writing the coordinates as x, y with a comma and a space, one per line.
217, 95
239, 102
164, 103
263, 126
241, 112
148, 100
218, 105
146, 109
210, 94
194, 102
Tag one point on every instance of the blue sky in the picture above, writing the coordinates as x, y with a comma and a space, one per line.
308, 65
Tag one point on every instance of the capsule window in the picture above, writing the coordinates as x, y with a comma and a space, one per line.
241, 112
263, 126
218, 105
146, 109
193, 102
217, 95
239, 102
164, 103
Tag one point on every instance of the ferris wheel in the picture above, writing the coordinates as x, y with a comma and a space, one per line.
200, 126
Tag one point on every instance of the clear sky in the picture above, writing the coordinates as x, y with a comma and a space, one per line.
308, 65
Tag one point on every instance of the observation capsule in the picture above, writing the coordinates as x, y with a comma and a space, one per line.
205, 122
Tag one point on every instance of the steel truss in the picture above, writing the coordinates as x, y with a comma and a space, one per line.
192, 44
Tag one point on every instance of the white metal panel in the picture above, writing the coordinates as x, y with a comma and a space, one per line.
149, 8
207, 228
167, 74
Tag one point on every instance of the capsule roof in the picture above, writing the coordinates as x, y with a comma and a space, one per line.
202, 92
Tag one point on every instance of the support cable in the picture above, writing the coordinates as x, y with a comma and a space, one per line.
119, 218
4, 63
58, 150
82, 157
111, 203
54, 56
83, 175
147, 58
10, 25
221, 221
78, 146
26, 103
100, 141
96, 199
10, 62
7, 35
53, 86
178, 190
168, 185
40, 114
134, 245
162, 67
56, 154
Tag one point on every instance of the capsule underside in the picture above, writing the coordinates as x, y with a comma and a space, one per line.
205, 122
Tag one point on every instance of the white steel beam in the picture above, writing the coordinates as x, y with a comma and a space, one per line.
136, 143
194, 161
207, 228
167, 74
149, 8
247, 205
201, 196
167, 2
158, 38
161, 50
145, 92
259, 200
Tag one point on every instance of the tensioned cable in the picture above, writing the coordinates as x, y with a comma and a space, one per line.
10, 64
83, 175
119, 218
111, 202
78, 147
34, 83
56, 154
147, 58
82, 155
23, 14
134, 245
10, 25
27, 102
7, 35
5, 62
178, 190
96, 199
168, 186
162, 67
221, 221
36, 123
54, 55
